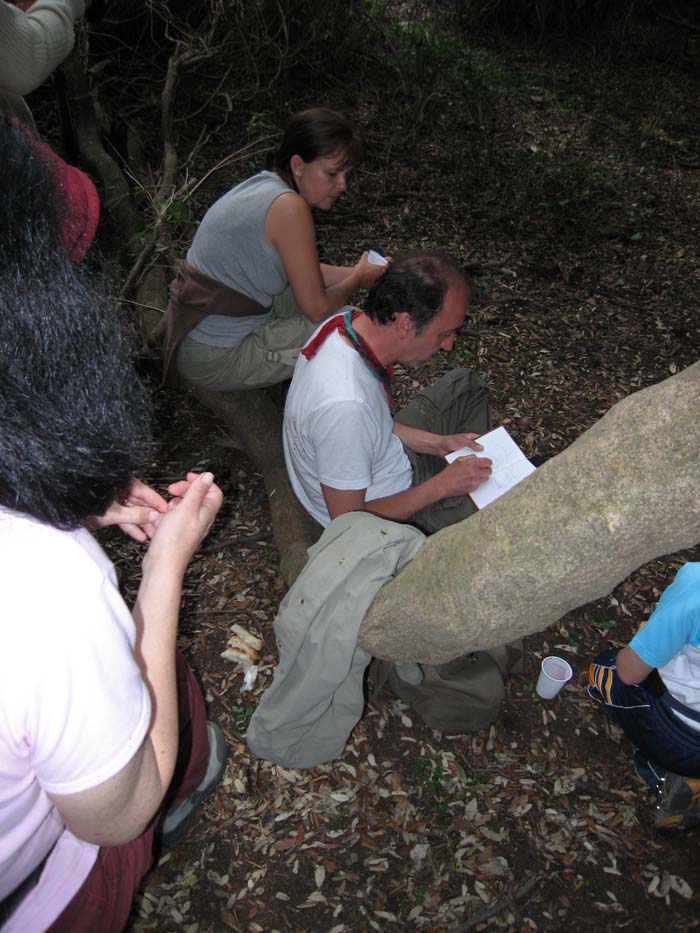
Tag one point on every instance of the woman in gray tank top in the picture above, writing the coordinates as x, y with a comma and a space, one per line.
253, 289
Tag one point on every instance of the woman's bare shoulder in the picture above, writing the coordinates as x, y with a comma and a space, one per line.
288, 213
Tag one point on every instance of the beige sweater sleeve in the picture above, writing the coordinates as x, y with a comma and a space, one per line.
35, 42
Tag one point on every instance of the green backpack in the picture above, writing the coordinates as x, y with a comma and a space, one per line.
463, 695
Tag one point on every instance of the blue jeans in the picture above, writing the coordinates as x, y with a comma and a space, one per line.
668, 743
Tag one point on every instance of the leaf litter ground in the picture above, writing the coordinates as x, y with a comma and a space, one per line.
582, 235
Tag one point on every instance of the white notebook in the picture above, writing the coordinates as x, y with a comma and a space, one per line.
510, 465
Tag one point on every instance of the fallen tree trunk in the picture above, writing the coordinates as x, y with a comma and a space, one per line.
256, 423
624, 493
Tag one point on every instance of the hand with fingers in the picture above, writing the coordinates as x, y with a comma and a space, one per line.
187, 520
136, 512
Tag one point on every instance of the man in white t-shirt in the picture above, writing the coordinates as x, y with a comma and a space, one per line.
344, 450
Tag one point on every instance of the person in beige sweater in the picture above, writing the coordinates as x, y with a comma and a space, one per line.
33, 42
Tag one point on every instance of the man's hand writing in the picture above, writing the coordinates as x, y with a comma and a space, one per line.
465, 475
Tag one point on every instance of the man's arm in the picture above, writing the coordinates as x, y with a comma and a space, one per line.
427, 442
457, 479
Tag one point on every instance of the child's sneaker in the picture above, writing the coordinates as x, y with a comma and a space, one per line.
648, 771
679, 803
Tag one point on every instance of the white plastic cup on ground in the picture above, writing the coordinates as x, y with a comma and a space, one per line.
555, 672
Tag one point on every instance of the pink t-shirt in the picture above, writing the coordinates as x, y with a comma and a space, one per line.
73, 706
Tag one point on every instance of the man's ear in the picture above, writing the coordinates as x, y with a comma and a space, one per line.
405, 327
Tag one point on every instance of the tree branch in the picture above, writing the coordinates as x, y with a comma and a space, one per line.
623, 494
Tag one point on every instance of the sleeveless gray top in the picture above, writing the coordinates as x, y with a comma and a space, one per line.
230, 246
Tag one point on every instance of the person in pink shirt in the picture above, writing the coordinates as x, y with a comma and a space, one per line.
105, 752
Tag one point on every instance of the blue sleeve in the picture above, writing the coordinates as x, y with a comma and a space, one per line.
675, 622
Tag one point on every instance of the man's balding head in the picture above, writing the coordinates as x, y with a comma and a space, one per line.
417, 284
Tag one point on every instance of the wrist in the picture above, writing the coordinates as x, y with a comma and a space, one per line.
166, 569
436, 443
157, 603
354, 281
429, 443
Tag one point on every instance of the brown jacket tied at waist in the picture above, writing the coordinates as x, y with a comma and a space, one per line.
193, 296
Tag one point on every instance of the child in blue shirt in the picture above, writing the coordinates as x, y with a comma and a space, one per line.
651, 689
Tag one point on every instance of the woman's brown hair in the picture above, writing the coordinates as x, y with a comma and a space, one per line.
314, 133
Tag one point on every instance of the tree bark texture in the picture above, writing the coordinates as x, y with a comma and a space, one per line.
256, 423
627, 491
87, 134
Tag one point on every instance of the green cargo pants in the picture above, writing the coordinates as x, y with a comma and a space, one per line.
265, 357
459, 402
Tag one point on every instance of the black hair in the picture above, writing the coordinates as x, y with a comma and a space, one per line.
73, 417
416, 283
314, 133
29, 204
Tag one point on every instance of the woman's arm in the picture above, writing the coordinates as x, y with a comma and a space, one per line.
331, 275
119, 809
135, 511
290, 230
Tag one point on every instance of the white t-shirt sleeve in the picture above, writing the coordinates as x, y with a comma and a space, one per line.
344, 437
97, 719
86, 709
74, 708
